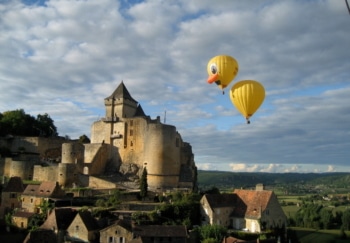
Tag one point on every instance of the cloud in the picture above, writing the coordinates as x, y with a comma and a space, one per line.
64, 57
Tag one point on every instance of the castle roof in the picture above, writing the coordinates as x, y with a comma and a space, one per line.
121, 92
139, 111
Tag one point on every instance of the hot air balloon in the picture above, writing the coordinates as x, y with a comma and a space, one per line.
222, 70
247, 96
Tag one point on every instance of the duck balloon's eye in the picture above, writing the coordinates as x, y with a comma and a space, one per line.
213, 68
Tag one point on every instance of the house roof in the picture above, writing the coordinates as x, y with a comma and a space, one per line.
89, 221
45, 189
126, 224
21, 214
60, 218
15, 184
251, 203
221, 200
160, 230
121, 92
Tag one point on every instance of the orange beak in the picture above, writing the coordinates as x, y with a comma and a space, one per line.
213, 78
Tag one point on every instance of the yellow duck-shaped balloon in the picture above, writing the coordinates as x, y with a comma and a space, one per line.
222, 70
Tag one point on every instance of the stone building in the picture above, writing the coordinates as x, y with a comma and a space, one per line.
123, 143
251, 210
137, 141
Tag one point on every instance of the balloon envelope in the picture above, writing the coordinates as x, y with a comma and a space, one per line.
222, 70
247, 96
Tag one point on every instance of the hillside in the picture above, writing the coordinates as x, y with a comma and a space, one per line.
225, 180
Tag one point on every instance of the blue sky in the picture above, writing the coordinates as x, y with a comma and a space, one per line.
64, 57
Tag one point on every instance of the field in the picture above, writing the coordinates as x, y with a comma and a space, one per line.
320, 236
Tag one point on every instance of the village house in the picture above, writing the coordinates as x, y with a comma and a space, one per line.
84, 227
119, 232
10, 196
21, 219
125, 231
217, 208
34, 195
250, 210
55, 226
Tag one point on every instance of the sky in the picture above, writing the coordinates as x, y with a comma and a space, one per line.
63, 57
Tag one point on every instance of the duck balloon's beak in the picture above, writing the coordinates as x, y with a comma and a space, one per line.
213, 78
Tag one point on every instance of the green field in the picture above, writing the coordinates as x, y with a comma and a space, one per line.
320, 236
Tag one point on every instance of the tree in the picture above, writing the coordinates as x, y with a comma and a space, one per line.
84, 139
346, 219
216, 232
18, 123
46, 125
326, 217
143, 184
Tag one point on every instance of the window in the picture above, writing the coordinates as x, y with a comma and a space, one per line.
131, 132
77, 228
110, 239
13, 195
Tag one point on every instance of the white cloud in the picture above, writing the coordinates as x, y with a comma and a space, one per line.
65, 57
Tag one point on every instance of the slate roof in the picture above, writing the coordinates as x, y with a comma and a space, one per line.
160, 230
121, 92
45, 189
139, 111
89, 221
251, 203
21, 214
126, 224
15, 184
221, 200
60, 218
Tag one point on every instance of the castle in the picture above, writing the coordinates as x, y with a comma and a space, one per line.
123, 144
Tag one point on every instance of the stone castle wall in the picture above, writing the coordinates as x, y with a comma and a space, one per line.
37, 145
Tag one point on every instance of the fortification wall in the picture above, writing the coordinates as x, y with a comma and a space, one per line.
96, 157
67, 175
32, 144
45, 173
21, 168
95, 182
98, 132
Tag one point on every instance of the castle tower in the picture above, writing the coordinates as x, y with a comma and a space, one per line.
120, 104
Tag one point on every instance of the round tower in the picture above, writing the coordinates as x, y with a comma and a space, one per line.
72, 153
162, 156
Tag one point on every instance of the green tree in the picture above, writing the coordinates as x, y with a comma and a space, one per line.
326, 217
45, 125
143, 184
110, 201
346, 219
84, 139
18, 123
216, 232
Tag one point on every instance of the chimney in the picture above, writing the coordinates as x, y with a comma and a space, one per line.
259, 187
